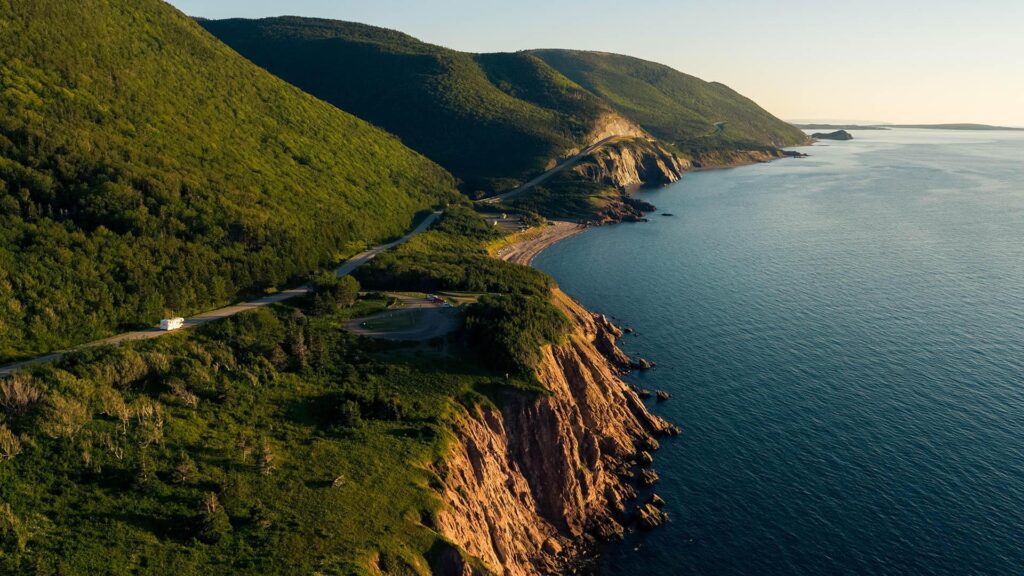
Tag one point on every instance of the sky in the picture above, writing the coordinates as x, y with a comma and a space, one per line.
900, 61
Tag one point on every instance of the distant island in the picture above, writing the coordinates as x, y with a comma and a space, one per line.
961, 126
956, 127
838, 127
837, 135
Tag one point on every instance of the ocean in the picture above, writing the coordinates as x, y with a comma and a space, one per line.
843, 337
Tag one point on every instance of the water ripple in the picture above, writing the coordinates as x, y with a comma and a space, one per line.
844, 339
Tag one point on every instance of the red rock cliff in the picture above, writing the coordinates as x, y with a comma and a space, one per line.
529, 484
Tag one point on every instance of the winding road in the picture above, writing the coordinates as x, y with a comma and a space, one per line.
539, 179
213, 315
343, 270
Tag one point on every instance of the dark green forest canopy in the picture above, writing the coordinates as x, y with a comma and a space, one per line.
490, 119
512, 321
673, 106
494, 119
318, 449
146, 168
272, 442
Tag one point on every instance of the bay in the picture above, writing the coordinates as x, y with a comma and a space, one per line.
843, 336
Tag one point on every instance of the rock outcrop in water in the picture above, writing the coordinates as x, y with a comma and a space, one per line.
837, 135
628, 164
625, 208
529, 486
633, 162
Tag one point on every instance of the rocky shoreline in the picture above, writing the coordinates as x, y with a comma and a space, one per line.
633, 163
629, 208
535, 484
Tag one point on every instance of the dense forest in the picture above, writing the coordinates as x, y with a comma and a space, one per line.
269, 443
272, 442
146, 169
495, 119
491, 120
671, 105
514, 319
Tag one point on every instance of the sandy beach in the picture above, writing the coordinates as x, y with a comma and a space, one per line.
524, 250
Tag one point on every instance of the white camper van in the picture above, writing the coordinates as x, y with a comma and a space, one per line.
171, 323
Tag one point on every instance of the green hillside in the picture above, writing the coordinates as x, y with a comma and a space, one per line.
495, 119
146, 168
489, 119
272, 442
673, 106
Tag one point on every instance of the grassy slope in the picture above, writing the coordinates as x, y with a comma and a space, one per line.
146, 168
673, 106
489, 119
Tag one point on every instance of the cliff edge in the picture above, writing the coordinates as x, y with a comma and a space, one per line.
529, 485
633, 162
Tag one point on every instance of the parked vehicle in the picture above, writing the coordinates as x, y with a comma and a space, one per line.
169, 324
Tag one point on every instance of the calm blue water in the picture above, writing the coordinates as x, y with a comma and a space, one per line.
844, 339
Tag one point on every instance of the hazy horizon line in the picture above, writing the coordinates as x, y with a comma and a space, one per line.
892, 123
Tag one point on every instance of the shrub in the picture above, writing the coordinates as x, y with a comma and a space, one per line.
112, 405
350, 415
14, 533
65, 417
243, 447
333, 292
296, 344
149, 416
214, 524
180, 391
114, 445
509, 330
260, 515
18, 395
185, 470
10, 446
266, 458
144, 472
388, 407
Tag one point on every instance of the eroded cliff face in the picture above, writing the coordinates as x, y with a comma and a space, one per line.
607, 125
613, 124
528, 485
633, 162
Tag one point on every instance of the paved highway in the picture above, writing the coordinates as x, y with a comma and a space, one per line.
206, 317
562, 166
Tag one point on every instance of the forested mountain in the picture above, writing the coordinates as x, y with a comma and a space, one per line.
673, 106
483, 117
146, 168
494, 119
